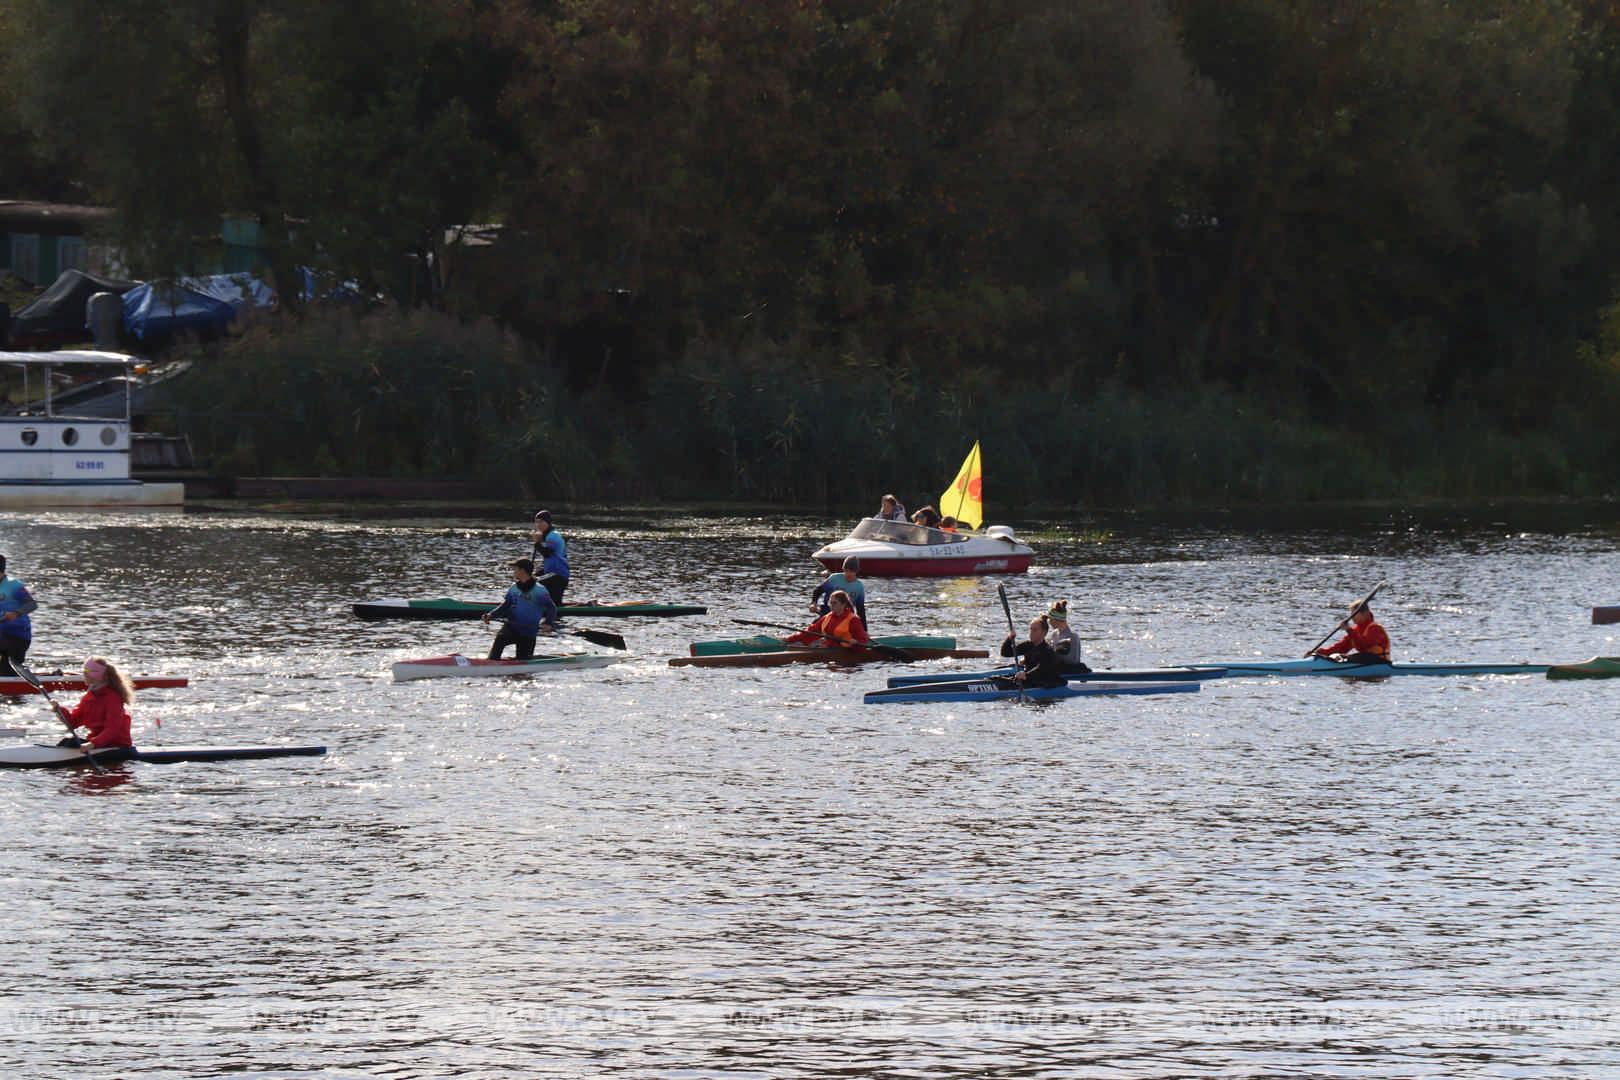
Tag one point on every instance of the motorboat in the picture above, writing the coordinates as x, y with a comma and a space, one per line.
901, 549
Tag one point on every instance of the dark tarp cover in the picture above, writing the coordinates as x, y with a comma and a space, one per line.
60, 309
161, 310
237, 290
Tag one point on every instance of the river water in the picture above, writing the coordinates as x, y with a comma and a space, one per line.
648, 871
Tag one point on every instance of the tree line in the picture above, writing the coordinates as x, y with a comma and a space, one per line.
1387, 230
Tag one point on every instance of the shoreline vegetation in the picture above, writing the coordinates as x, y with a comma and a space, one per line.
805, 252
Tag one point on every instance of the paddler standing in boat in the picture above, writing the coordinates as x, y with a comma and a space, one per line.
551, 554
527, 605
1037, 664
1364, 640
849, 581
839, 627
16, 632
103, 711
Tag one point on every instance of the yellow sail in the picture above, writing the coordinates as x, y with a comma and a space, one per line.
964, 499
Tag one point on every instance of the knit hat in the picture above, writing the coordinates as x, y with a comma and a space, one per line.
1059, 611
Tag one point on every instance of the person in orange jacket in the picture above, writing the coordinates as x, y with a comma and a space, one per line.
1364, 640
840, 626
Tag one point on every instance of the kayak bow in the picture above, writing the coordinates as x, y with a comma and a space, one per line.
466, 667
988, 690
817, 655
44, 757
447, 609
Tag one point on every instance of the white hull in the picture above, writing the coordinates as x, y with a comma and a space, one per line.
462, 667
14, 496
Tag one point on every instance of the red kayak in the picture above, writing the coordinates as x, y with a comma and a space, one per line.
11, 684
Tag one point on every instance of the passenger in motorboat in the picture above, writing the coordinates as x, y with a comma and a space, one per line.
526, 607
16, 631
1064, 641
1037, 663
1364, 640
839, 627
892, 509
551, 556
849, 580
948, 524
927, 517
103, 711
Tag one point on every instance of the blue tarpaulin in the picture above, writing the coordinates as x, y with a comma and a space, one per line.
237, 290
156, 310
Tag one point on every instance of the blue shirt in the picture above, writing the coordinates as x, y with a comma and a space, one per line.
836, 581
14, 597
525, 611
553, 552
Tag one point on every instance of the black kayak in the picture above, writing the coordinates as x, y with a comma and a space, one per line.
46, 757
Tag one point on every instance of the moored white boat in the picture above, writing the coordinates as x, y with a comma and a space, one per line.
73, 453
468, 667
901, 549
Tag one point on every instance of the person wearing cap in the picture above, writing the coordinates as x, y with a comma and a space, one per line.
526, 606
551, 556
1364, 641
891, 510
849, 581
1065, 643
16, 631
1037, 664
839, 627
103, 711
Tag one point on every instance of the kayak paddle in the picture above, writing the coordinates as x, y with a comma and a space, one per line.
1006, 609
888, 651
600, 637
1357, 606
32, 680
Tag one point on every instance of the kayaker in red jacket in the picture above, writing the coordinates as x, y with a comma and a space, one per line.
103, 711
1364, 640
840, 626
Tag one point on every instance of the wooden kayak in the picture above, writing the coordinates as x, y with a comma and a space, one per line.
467, 667
446, 609
1599, 667
992, 690
764, 643
822, 656
13, 685
44, 757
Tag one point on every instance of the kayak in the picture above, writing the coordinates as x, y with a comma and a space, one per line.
1167, 674
763, 643
1318, 665
988, 690
822, 656
11, 684
467, 667
43, 757
1599, 667
446, 609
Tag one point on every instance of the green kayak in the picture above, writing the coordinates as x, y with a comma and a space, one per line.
761, 643
471, 609
1599, 667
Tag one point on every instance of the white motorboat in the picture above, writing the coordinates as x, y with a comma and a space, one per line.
901, 549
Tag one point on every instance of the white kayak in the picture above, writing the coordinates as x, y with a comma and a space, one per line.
467, 667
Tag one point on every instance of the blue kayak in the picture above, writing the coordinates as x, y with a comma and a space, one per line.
1164, 674
989, 690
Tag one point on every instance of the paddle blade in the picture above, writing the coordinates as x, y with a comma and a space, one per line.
603, 638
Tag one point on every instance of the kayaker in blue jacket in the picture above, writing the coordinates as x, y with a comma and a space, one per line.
849, 581
551, 555
16, 631
526, 607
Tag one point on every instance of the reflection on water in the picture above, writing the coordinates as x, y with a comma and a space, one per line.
643, 870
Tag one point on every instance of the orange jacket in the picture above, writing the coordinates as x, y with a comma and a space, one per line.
848, 629
1362, 639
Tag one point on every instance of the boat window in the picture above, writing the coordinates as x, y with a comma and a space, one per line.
108, 436
901, 532
29, 436
70, 436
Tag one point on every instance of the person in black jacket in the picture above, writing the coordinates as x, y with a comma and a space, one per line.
1038, 665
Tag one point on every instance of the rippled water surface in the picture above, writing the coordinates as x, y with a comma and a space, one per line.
651, 871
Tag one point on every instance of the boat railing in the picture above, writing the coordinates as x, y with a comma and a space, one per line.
901, 532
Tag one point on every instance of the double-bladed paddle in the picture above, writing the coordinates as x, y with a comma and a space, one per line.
1018, 661
32, 680
1357, 606
889, 652
601, 637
